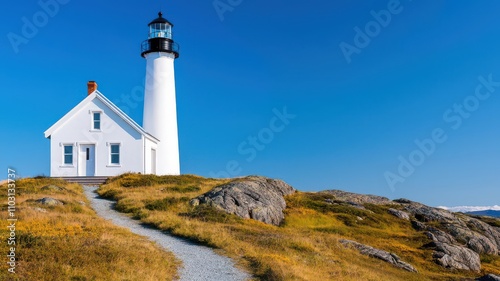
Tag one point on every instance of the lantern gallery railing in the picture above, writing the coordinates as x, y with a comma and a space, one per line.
155, 45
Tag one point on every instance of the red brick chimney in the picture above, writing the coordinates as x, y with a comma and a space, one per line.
91, 87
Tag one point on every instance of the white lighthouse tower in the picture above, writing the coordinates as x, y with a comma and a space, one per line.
160, 114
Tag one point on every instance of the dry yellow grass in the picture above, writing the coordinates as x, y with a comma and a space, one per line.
71, 242
305, 247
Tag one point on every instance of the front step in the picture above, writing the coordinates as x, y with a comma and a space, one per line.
86, 180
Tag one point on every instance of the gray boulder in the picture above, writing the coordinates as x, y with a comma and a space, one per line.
399, 214
402, 201
491, 232
52, 187
379, 254
450, 255
356, 205
489, 277
346, 203
474, 240
440, 236
41, 210
418, 226
47, 201
358, 199
425, 213
457, 257
257, 198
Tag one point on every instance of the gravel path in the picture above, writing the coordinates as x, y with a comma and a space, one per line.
199, 262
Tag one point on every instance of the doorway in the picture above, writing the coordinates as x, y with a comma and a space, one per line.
87, 160
153, 161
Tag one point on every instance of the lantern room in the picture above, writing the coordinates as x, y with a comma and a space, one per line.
160, 38
160, 28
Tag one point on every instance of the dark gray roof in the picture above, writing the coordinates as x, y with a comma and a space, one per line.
161, 19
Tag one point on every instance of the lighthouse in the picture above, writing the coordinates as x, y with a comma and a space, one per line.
160, 113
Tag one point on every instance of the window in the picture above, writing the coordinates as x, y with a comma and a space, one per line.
160, 30
115, 154
68, 155
96, 124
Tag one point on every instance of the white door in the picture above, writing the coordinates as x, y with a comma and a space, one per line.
153, 161
87, 160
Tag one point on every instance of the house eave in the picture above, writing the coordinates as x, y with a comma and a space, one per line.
68, 115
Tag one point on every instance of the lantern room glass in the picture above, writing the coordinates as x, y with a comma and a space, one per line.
160, 30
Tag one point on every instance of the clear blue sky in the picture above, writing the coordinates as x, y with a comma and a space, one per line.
355, 113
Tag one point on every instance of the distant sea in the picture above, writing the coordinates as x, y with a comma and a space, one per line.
490, 213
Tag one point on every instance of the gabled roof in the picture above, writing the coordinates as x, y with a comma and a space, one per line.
97, 95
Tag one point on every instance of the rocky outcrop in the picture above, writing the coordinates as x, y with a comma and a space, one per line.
425, 213
257, 198
346, 203
358, 198
379, 254
47, 201
457, 239
491, 232
399, 214
474, 240
440, 236
418, 225
456, 257
451, 255
489, 277
477, 235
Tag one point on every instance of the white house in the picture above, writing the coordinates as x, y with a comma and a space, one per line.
96, 138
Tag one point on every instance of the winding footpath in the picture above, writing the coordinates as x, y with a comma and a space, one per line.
199, 262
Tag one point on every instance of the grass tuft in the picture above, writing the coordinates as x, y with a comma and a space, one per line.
208, 214
164, 204
138, 180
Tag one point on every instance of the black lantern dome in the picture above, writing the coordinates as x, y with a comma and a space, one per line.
160, 38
